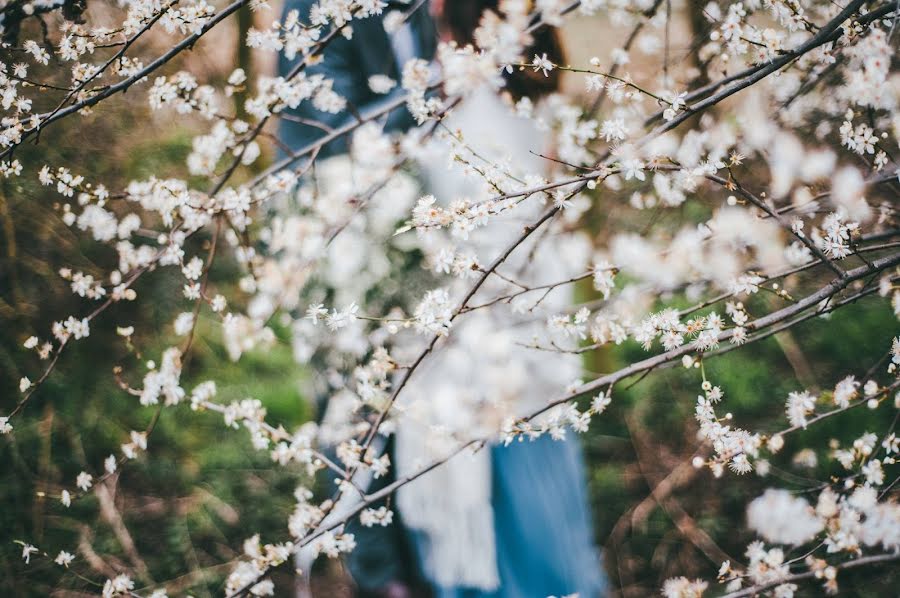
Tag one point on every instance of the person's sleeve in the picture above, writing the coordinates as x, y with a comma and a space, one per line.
340, 64
349, 72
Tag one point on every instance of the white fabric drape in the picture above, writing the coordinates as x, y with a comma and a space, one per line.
480, 374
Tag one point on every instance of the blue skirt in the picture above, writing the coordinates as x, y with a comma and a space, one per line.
542, 523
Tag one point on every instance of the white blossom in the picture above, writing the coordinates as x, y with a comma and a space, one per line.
64, 558
782, 518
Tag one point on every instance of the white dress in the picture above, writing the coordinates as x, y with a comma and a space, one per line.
481, 375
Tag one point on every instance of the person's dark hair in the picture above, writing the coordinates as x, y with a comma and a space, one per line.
461, 18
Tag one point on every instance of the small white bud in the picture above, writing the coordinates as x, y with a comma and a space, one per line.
776, 443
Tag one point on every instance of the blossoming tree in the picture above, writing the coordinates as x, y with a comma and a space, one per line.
789, 121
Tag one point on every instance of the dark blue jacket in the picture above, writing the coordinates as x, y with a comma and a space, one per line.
349, 63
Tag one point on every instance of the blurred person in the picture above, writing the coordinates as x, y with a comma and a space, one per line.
507, 521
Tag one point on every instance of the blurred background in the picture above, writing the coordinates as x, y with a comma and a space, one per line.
179, 514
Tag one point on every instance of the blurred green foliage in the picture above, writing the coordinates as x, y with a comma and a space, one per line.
641, 552
188, 504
